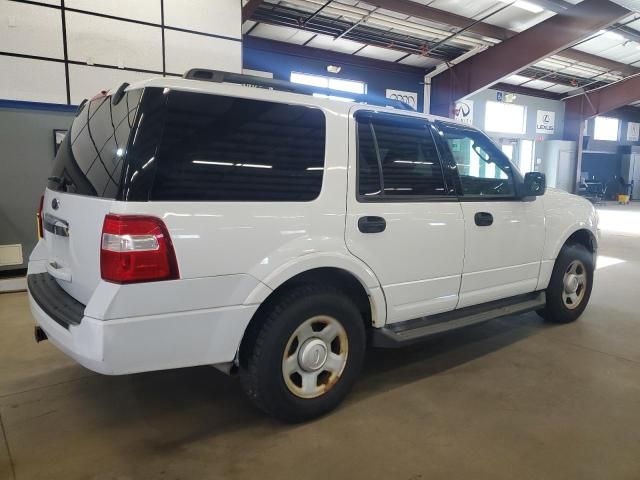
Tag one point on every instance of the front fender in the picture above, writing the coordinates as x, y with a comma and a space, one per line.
566, 214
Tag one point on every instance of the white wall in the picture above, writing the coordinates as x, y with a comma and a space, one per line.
110, 41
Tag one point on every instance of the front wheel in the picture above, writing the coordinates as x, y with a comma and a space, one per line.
306, 355
570, 286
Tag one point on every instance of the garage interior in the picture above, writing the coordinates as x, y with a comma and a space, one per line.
555, 83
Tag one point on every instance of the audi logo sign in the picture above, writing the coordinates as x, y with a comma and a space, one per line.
410, 98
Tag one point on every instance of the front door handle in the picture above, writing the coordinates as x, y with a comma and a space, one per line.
483, 219
372, 224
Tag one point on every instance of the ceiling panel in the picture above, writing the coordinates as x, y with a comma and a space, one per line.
515, 79
465, 8
282, 34
517, 19
420, 61
380, 53
248, 25
340, 45
559, 89
538, 84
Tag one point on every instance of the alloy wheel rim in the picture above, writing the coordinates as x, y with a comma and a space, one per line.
315, 356
574, 284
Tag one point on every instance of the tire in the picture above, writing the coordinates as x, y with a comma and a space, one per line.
286, 357
564, 305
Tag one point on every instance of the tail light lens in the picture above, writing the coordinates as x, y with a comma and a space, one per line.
39, 217
136, 249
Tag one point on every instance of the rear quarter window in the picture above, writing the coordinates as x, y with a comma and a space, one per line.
217, 148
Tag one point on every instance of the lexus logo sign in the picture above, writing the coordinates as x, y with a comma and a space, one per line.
545, 122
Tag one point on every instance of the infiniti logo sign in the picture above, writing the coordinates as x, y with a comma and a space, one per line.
55, 204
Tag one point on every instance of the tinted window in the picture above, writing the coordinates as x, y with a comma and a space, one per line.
233, 149
397, 157
91, 158
483, 169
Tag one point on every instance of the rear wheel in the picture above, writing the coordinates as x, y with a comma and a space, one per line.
306, 355
570, 286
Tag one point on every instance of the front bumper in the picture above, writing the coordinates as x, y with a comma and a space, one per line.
146, 343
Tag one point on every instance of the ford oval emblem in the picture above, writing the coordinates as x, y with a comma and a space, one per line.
55, 204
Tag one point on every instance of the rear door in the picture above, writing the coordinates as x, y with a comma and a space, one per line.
403, 218
504, 235
86, 178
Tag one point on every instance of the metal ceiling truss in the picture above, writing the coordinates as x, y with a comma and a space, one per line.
289, 17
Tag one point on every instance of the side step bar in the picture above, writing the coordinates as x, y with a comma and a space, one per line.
412, 331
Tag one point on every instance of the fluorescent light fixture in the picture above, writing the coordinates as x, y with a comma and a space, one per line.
528, 6
229, 164
253, 165
610, 35
207, 162
413, 162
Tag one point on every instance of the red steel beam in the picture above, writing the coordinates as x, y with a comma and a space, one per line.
250, 8
526, 48
596, 102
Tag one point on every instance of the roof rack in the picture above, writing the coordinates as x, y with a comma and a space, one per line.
219, 76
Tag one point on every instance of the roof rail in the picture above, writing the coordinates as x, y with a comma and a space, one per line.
219, 76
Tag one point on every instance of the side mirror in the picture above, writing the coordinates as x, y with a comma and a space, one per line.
535, 184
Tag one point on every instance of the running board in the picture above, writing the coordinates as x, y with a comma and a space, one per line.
411, 331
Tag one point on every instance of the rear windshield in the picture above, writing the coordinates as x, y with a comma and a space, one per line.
186, 146
91, 158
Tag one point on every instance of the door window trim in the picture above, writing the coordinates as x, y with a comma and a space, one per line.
450, 196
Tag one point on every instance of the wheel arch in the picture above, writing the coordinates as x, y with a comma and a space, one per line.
580, 235
369, 300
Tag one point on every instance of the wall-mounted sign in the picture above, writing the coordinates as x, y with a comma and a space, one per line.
463, 111
410, 98
546, 122
633, 132
506, 97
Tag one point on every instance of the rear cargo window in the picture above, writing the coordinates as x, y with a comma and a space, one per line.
92, 156
232, 149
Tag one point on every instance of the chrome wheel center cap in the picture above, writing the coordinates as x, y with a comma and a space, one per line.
571, 284
312, 355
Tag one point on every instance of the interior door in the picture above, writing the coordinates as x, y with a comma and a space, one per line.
403, 218
504, 236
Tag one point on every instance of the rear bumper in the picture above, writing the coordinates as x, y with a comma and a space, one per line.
146, 343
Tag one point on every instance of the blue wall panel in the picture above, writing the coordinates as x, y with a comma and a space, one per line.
377, 80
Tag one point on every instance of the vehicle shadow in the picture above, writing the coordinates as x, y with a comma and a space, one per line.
169, 409
386, 369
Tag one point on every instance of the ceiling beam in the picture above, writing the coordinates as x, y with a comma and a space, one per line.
610, 98
520, 51
249, 9
414, 9
604, 99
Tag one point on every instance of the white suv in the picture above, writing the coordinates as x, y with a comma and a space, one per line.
275, 234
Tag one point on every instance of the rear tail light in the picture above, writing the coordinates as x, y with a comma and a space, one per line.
39, 217
136, 249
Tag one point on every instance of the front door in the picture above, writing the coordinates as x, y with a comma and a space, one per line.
504, 235
403, 218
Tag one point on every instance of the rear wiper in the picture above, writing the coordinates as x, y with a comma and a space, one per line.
62, 182
59, 180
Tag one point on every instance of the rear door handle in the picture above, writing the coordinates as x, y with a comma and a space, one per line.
483, 219
372, 224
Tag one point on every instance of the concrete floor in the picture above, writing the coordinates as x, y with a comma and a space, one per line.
513, 398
